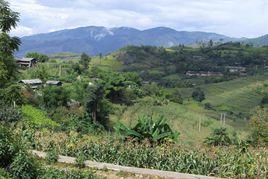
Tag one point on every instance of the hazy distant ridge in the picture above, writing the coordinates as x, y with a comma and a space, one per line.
94, 40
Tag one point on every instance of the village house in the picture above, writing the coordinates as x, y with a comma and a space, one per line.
33, 83
236, 69
27, 62
54, 83
203, 74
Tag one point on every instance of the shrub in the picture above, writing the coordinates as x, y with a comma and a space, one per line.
4, 174
24, 166
13, 157
12, 94
219, 137
52, 156
9, 113
80, 160
176, 97
8, 147
147, 128
54, 96
67, 174
259, 127
198, 95
208, 106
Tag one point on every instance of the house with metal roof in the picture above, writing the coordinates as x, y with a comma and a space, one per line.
54, 83
33, 83
26, 62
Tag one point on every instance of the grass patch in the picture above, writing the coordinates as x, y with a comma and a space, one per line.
37, 118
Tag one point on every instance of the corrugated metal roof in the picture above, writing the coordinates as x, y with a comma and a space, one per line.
26, 59
52, 82
31, 81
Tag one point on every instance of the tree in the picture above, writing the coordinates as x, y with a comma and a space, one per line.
175, 96
84, 60
3, 73
8, 45
41, 71
54, 96
97, 105
198, 95
259, 127
40, 57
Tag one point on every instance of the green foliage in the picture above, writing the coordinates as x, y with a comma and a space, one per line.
36, 117
264, 100
80, 160
14, 157
208, 106
8, 147
84, 61
12, 94
219, 137
226, 162
4, 174
97, 106
259, 127
152, 90
41, 72
8, 45
9, 113
176, 96
52, 156
147, 128
54, 96
24, 166
198, 95
40, 57
3, 73
67, 174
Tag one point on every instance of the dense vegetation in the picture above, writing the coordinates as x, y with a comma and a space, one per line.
135, 107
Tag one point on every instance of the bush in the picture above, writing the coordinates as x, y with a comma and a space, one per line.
259, 127
176, 97
12, 94
219, 137
67, 174
24, 166
52, 156
155, 131
208, 106
198, 95
13, 157
54, 96
9, 113
4, 174
80, 160
8, 147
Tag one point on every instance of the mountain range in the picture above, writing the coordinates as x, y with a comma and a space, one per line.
94, 40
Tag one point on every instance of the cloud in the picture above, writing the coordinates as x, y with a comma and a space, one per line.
230, 17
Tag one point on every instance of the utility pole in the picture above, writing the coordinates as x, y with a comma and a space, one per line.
221, 119
224, 118
199, 125
60, 70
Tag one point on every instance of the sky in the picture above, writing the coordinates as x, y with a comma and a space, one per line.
235, 18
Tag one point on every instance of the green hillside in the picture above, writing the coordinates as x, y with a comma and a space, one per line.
183, 118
